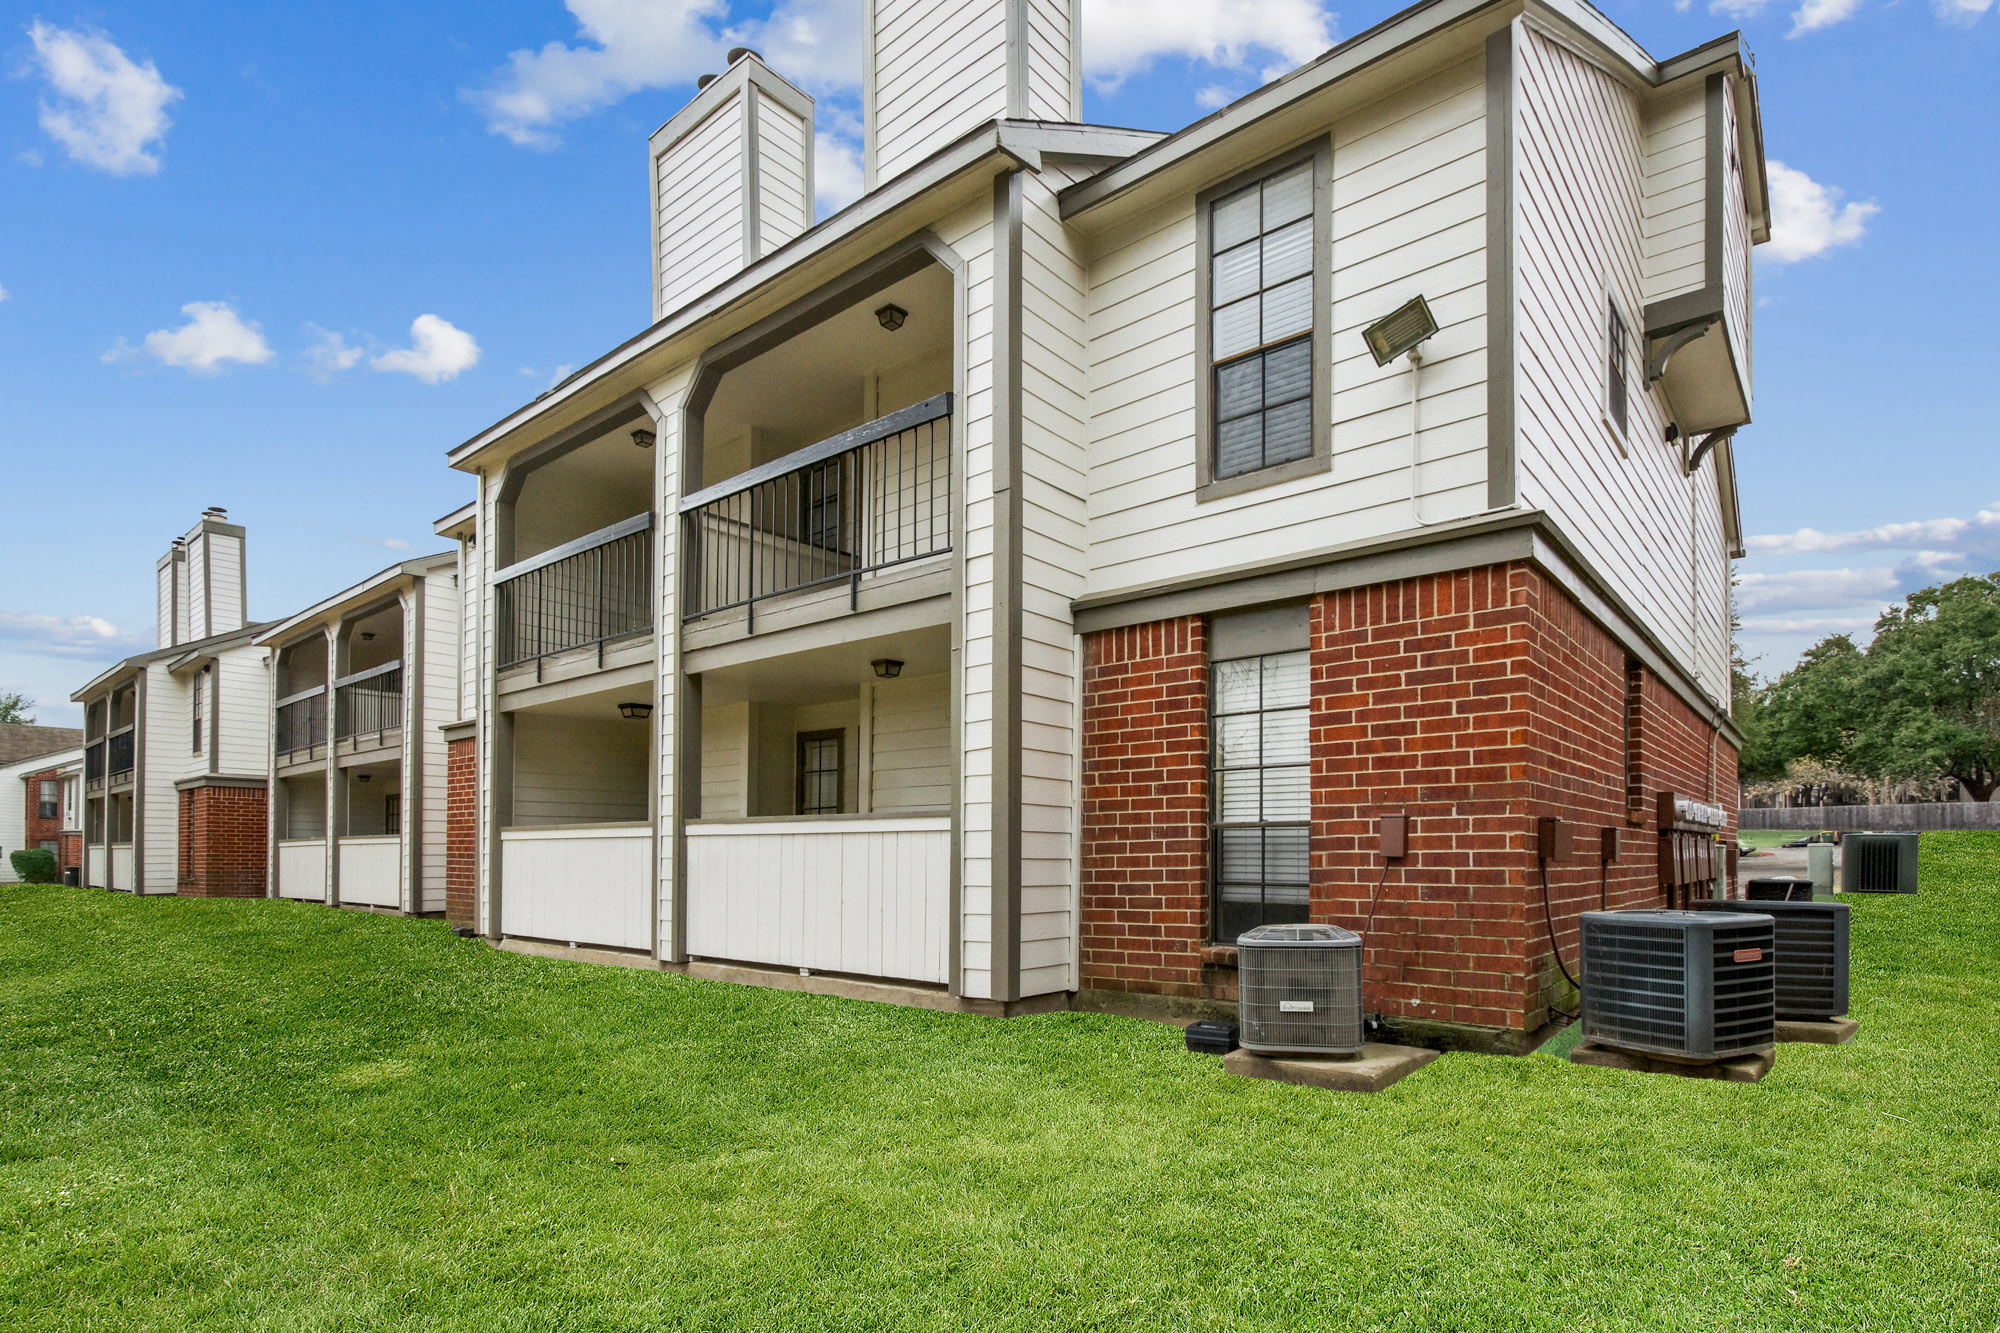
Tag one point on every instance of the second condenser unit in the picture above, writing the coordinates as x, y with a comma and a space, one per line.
1694, 985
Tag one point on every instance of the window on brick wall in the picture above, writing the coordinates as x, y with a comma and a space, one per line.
1262, 800
1635, 778
50, 804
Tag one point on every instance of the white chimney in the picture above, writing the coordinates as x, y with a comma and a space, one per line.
201, 582
932, 72
732, 179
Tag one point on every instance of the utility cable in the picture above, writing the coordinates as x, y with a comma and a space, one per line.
1549, 916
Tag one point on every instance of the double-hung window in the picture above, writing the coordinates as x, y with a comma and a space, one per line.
1263, 406
200, 688
50, 804
1617, 371
1262, 793
821, 765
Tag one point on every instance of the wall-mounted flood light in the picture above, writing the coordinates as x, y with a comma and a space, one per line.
635, 710
1399, 331
643, 438
891, 316
888, 668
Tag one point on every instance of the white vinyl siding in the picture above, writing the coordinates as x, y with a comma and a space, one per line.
578, 886
571, 770
197, 620
725, 761
1055, 527
1052, 71
1408, 217
1581, 226
1675, 167
241, 682
784, 205
225, 583
910, 745
161, 750
701, 206
940, 71
438, 688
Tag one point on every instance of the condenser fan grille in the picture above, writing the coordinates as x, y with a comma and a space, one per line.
1745, 1001
1638, 985
1303, 998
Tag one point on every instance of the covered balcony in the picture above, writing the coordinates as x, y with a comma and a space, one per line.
299, 818
573, 539
820, 477
573, 793
300, 720
369, 851
824, 841
368, 694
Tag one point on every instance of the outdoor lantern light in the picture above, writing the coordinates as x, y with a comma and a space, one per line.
368, 635
892, 317
888, 668
361, 777
1399, 331
635, 710
643, 438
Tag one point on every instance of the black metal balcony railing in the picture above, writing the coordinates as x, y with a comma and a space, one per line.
863, 501
301, 722
368, 703
582, 593
93, 763
121, 752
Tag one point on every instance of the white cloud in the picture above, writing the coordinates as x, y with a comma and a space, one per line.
625, 45
3, 293
1124, 37
108, 110
1814, 15
1960, 13
1215, 95
391, 543
1935, 540
814, 43
1815, 589
438, 351
214, 334
1739, 9
65, 636
329, 354
1808, 219
836, 172
1815, 625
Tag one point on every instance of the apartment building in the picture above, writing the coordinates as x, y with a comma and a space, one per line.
359, 684
1093, 543
41, 777
176, 739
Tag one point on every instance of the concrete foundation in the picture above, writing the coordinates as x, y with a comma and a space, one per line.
1818, 1032
1377, 1067
1741, 1069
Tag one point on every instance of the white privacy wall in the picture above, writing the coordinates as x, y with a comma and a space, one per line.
1408, 217
1654, 534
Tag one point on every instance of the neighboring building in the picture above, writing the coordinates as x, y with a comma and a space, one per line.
357, 767
40, 794
1022, 582
177, 740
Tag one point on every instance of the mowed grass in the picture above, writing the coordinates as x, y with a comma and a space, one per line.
271, 1115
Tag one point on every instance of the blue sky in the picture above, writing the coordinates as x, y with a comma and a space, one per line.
280, 257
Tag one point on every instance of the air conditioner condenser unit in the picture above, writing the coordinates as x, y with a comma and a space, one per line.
1812, 954
1299, 990
1695, 986
1878, 863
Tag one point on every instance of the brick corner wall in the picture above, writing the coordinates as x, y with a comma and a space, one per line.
461, 834
223, 842
1145, 808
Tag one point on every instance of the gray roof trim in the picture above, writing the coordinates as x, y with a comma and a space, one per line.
215, 643
457, 518
1389, 37
374, 583
1019, 142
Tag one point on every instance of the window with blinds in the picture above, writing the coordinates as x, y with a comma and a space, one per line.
821, 763
1261, 820
1261, 321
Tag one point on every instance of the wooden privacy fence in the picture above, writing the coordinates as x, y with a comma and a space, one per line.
1920, 817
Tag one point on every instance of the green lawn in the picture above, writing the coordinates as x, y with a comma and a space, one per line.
1758, 837
270, 1115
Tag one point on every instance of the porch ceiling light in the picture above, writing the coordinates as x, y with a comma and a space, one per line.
891, 316
888, 668
635, 710
643, 438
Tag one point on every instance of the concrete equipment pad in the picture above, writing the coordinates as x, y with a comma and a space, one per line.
1819, 1031
1742, 1069
1378, 1066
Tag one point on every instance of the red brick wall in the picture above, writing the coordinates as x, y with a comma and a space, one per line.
461, 834
1145, 808
41, 830
72, 850
222, 842
1474, 702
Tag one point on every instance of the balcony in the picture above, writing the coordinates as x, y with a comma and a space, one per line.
301, 725
846, 510
582, 594
120, 753
369, 704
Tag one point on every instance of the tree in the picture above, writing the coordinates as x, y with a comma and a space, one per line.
15, 706
1810, 711
1928, 699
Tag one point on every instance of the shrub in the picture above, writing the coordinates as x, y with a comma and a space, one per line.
35, 866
